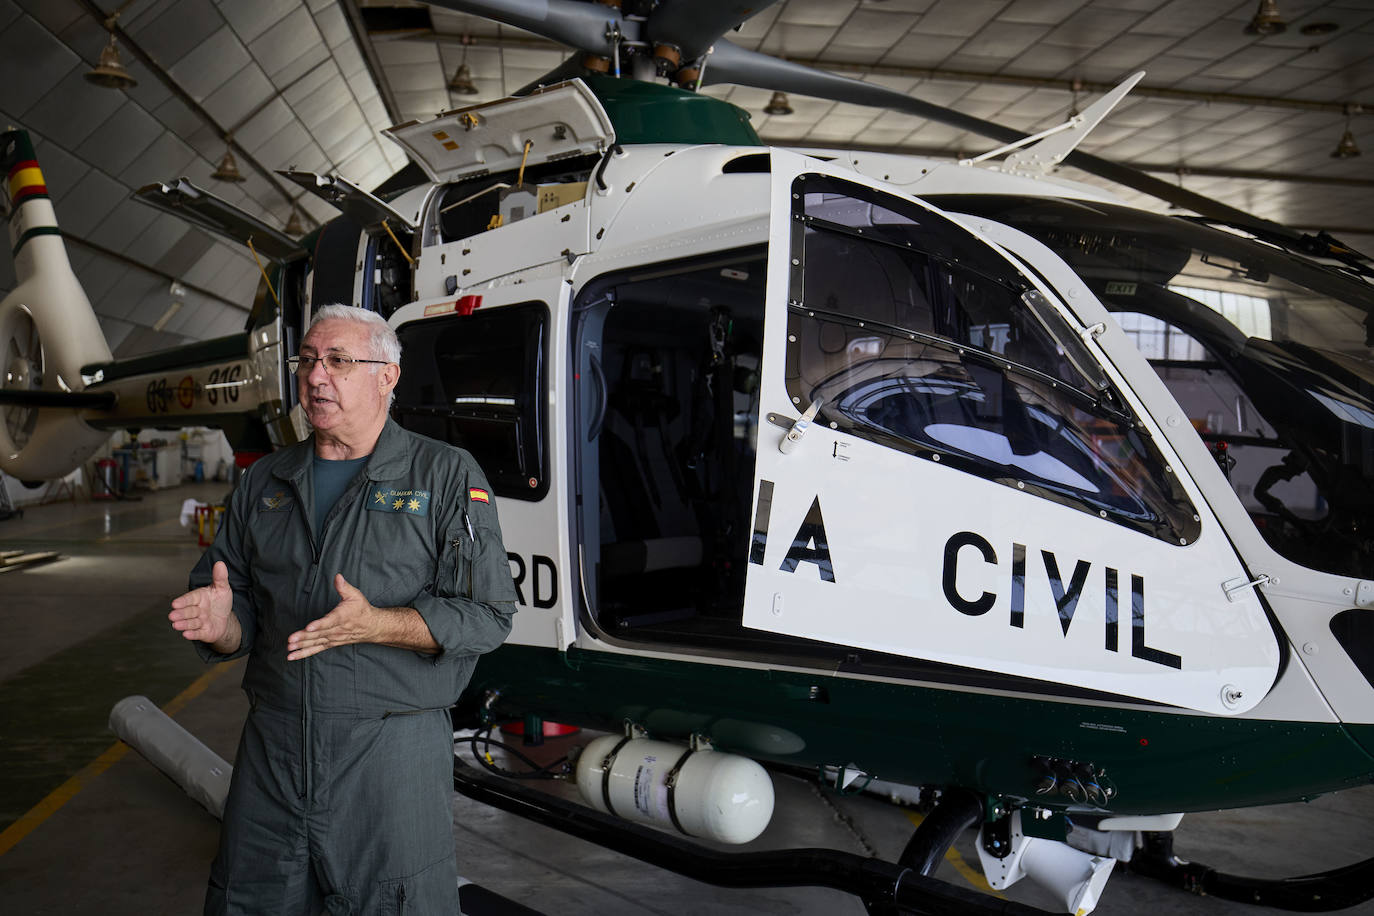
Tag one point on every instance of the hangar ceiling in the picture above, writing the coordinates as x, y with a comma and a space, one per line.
1249, 119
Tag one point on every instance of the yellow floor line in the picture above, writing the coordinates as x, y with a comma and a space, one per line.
966, 871
64, 793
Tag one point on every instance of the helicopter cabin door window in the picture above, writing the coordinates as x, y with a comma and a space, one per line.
478, 381
912, 334
944, 470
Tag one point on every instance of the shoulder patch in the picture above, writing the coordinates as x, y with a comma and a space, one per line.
478, 495
402, 500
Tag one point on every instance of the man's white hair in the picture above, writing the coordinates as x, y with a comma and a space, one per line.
382, 340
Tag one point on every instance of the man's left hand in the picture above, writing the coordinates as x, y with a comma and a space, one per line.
352, 620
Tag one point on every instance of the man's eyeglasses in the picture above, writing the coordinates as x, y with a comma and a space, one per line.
333, 364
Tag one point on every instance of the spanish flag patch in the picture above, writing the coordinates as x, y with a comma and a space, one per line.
478, 495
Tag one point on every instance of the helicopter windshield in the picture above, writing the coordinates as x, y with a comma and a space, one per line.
1271, 355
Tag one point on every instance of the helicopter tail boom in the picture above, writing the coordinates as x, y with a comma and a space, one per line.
48, 329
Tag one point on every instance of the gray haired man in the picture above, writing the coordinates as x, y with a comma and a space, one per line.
362, 572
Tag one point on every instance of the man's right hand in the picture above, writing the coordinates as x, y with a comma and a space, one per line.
207, 613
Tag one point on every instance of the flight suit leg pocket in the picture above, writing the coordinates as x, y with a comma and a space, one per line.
433, 889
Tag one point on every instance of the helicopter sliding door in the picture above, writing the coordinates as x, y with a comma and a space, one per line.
477, 374
946, 471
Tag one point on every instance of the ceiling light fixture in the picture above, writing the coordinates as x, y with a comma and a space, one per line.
462, 79
1267, 20
778, 105
1346, 148
228, 168
110, 72
295, 227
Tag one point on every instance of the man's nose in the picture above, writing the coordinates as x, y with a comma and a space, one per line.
318, 374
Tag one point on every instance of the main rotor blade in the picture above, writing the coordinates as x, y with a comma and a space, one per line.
730, 63
695, 25
570, 68
578, 25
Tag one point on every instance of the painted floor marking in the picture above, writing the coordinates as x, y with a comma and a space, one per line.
64, 793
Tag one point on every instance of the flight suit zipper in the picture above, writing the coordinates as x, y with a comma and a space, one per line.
307, 756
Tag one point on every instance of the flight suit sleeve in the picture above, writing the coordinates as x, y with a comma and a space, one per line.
229, 546
469, 607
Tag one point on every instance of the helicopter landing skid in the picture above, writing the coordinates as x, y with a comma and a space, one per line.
1319, 893
884, 887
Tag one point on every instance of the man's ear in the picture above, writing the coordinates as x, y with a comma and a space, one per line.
388, 377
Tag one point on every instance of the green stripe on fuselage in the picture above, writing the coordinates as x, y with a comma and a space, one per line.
1160, 761
36, 230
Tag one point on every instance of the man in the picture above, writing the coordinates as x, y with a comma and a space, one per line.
362, 572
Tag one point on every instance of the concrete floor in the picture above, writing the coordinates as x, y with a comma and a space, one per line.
90, 828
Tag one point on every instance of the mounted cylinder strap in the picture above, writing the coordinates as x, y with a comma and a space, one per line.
671, 785
606, 763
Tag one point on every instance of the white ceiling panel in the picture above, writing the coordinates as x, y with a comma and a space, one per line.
121, 224
81, 208
9, 11
333, 25
179, 258
961, 18
169, 31
211, 64
72, 109
253, 18
295, 37
244, 93
1041, 12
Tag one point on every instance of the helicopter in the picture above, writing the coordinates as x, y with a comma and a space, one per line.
963, 481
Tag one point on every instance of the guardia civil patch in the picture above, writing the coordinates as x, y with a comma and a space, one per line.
405, 501
280, 501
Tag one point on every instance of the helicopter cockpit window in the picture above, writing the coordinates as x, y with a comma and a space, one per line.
914, 334
478, 381
1270, 354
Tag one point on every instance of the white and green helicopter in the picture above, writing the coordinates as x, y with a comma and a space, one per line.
963, 479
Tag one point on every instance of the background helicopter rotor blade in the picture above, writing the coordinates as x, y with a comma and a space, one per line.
694, 25
729, 63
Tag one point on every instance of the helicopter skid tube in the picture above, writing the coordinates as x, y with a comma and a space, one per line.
1320, 893
882, 886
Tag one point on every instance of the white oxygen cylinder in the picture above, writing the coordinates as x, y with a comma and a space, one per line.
701, 793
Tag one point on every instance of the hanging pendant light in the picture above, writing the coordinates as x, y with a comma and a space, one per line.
1267, 20
462, 79
778, 105
1346, 148
228, 168
110, 72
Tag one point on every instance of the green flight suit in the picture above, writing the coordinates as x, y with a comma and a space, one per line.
341, 798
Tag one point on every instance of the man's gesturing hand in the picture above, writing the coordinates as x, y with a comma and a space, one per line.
207, 613
353, 619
